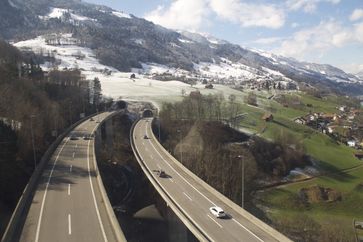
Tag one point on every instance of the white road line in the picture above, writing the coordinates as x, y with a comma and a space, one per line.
69, 224
45, 192
70, 168
76, 146
171, 180
158, 166
247, 230
179, 173
69, 189
73, 154
215, 221
93, 192
197, 189
187, 196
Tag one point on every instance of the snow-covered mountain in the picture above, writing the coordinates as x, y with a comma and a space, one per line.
360, 75
332, 73
124, 42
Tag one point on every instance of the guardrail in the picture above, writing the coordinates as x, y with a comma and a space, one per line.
183, 216
110, 213
268, 229
17, 220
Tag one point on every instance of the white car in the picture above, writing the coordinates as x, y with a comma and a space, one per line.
217, 211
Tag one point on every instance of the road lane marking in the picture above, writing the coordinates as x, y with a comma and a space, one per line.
70, 168
197, 189
69, 224
248, 230
171, 180
179, 173
187, 196
76, 146
215, 221
158, 166
93, 192
45, 192
69, 189
73, 154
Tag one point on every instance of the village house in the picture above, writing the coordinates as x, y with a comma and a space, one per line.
300, 120
268, 117
331, 129
328, 117
351, 143
342, 108
209, 86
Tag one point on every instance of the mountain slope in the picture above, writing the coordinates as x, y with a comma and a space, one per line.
124, 41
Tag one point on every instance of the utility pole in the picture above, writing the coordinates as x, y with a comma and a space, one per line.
70, 113
181, 146
33, 143
243, 183
159, 129
159, 124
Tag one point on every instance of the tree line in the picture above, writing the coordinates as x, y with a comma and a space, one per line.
42, 105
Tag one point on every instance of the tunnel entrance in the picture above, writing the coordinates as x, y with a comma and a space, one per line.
147, 113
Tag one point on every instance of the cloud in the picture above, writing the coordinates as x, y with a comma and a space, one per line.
194, 14
308, 6
268, 41
320, 39
356, 15
353, 68
181, 14
295, 25
249, 14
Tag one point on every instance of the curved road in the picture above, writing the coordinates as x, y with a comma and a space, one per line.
67, 205
193, 198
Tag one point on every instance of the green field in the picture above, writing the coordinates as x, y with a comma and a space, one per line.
285, 202
332, 157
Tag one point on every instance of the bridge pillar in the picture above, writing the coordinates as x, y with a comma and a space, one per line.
177, 230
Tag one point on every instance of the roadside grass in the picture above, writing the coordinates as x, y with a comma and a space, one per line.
286, 202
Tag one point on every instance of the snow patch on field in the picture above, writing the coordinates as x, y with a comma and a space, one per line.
225, 70
59, 13
114, 83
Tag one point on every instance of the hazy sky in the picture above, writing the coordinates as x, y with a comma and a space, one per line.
321, 31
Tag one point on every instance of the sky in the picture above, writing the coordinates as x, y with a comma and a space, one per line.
320, 31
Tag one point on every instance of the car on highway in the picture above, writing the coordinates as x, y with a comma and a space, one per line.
87, 137
145, 136
161, 173
73, 137
217, 212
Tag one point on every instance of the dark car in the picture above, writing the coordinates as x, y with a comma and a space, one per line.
161, 173
145, 136
73, 137
87, 137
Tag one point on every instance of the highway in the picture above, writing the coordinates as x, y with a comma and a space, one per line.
67, 205
192, 198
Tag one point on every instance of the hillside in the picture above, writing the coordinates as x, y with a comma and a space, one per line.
125, 42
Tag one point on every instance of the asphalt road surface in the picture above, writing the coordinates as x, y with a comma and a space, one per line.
67, 205
191, 196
